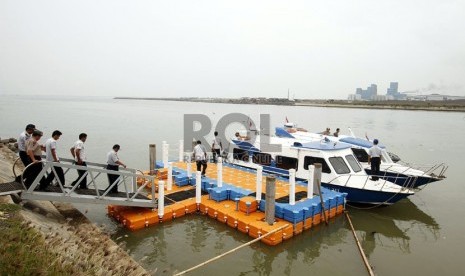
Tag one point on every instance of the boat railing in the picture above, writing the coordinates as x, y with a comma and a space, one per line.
437, 170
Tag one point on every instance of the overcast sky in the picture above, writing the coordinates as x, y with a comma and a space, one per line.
317, 49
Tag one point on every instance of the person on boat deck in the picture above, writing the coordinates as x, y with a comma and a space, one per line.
79, 156
240, 137
374, 158
327, 131
336, 134
51, 155
217, 146
200, 155
113, 164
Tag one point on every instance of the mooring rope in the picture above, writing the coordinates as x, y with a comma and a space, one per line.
231, 251
362, 253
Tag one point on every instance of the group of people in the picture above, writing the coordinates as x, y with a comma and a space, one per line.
200, 153
30, 152
328, 132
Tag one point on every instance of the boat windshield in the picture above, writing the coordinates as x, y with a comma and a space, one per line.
353, 163
339, 165
360, 154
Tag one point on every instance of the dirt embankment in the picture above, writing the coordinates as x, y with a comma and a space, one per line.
75, 242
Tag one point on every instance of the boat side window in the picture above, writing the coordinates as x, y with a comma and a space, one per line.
360, 154
339, 165
261, 158
240, 154
284, 162
353, 163
310, 160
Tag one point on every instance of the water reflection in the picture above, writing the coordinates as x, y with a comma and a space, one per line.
187, 241
394, 223
296, 255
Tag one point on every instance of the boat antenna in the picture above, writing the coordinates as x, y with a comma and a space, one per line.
351, 132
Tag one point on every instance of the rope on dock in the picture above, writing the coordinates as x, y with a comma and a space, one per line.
232, 250
362, 253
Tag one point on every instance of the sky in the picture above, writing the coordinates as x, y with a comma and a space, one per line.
202, 48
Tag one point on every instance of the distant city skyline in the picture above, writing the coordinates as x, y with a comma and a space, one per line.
230, 49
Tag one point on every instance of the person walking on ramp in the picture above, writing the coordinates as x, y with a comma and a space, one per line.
79, 155
113, 163
52, 156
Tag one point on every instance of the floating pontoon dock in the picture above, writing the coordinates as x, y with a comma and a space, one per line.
228, 194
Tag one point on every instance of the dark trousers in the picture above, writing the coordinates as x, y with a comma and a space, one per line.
216, 152
51, 176
32, 172
26, 161
375, 164
203, 164
24, 158
83, 183
112, 178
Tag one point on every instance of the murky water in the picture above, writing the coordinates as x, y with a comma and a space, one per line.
422, 235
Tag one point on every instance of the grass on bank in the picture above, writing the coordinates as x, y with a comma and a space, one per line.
23, 250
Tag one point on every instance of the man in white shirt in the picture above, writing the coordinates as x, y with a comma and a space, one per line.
217, 146
374, 158
113, 164
200, 155
23, 137
52, 156
79, 155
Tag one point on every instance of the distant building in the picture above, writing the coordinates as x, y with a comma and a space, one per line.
379, 98
435, 97
393, 93
369, 93
355, 97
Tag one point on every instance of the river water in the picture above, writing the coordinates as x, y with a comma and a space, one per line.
422, 235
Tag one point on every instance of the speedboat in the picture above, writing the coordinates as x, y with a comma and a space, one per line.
400, 173
340, 169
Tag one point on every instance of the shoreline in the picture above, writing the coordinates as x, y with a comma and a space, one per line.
61, 231
447, 106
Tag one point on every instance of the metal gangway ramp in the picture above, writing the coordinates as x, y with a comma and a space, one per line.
98, 191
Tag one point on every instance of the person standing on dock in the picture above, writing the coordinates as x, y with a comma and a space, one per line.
34, 153
217, 147
23, 137
374, 158
200, 155
79, 155
52, 156
113, 164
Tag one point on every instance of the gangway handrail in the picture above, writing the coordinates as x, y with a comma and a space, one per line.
68, 194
